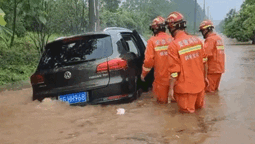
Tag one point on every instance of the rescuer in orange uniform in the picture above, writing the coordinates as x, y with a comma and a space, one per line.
186, 66
216, 56
156, 57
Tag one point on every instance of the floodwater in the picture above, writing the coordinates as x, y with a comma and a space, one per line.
228, 115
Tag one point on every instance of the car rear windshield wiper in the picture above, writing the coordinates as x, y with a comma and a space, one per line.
77, 62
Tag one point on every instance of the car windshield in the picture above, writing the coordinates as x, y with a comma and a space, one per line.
76, 50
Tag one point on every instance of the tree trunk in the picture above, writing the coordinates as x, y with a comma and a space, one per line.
83, 17
14, 23
92, 15
253, 39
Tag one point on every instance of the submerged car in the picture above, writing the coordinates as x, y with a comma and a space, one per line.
91, 68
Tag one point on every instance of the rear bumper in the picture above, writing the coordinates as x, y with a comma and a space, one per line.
117, 87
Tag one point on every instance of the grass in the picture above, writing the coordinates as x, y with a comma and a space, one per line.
19, 62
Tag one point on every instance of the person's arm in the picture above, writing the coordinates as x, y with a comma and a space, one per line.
148, 63
173, 69
171, 89
204, 55
207, 54
206, 79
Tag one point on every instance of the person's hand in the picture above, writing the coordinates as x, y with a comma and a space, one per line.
171, 95
142, 78
206, 83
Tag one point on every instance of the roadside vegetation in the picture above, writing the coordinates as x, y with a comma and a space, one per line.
26, 26
240, 24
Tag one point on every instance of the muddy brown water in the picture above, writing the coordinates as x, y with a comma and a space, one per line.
228, 116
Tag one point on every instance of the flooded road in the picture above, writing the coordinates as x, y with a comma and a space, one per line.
228, 116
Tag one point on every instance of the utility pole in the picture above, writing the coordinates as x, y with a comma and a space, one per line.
208, 14
97, 15
204, 11
93, 16
195, 17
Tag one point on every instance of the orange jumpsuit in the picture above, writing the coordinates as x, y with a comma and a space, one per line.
186, 63
216, 60
156, 56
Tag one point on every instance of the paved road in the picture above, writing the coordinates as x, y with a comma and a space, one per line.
228, 116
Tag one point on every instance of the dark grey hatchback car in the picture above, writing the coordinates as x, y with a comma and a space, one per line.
91, 68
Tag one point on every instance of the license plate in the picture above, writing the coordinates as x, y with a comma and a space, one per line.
74, 97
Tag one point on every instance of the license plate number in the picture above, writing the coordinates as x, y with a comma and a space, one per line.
74, 97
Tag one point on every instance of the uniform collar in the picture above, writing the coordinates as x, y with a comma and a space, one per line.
180, 34
161, 33
211, 34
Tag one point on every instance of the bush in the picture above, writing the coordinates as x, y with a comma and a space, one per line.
19, 62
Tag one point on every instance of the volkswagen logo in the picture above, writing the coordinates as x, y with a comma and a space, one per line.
67, 75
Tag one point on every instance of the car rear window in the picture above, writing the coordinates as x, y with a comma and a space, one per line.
78, 49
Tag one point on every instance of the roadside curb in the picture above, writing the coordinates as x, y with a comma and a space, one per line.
15, 86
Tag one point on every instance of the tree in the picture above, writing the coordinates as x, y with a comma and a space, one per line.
111, 5
71, 17
241, 25
249, 21
230, 15
14, 20
42, 26
5, 33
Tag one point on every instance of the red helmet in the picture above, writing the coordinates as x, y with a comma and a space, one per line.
157, 23
174, 19
206, 24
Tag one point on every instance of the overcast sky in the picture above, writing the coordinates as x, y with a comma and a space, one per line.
219, 8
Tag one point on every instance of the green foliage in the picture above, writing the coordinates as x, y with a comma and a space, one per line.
69, 17
5, 35
152, 8
249, 22
2, 21
111, 5
124, 18
241, 25
41, 21
18, 63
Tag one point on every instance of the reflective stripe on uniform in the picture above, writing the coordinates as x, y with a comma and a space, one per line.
174, 75
160, 48
206, 26
204, 59
220, 47
190, 49
146, 69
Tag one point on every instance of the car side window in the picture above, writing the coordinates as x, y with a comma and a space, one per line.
122, 46
130, 42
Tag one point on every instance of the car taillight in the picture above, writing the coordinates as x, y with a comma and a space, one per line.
114, 64
37, 79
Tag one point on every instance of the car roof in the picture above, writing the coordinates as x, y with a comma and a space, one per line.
114, 30
106, 31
